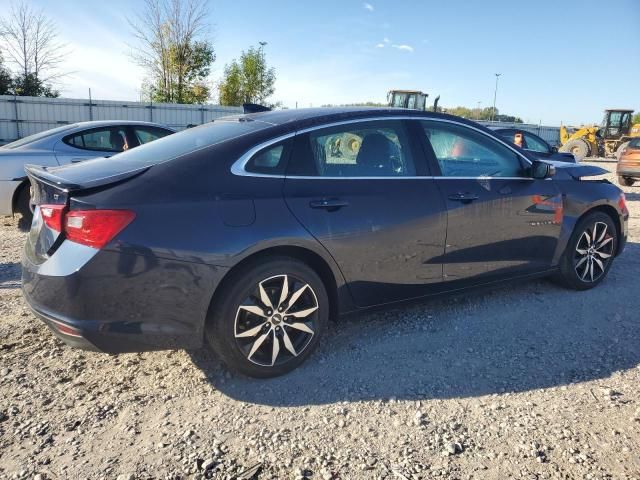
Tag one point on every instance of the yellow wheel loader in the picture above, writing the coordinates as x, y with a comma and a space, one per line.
608, 139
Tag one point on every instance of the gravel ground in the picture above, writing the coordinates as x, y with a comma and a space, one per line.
529, 381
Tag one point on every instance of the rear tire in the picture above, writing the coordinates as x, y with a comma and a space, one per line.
589, 253
23, 207
578, 147
279, 301
626, 181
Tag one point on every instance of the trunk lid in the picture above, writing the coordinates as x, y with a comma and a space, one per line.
56, 186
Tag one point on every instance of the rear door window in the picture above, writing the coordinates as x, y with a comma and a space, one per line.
109, 139
361, 149
149, 134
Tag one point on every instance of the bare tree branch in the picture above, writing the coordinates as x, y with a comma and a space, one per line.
31, 43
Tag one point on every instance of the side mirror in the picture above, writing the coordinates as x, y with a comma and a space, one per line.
541, 170
554, 149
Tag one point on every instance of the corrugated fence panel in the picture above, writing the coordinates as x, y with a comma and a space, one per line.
550, 134
36, 114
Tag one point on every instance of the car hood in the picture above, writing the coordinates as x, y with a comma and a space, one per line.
576, 170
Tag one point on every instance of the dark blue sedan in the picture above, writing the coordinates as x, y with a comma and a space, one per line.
251, 232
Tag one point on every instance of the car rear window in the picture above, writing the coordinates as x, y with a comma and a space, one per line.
635, 143
181, 143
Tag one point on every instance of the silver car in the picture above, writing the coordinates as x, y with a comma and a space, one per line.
67, 144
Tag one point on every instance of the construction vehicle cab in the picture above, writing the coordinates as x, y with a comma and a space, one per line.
413, 99
616, 123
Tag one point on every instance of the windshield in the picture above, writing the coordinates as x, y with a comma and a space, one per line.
38, 136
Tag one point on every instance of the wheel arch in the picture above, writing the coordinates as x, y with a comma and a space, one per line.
16, 194
328, 273
609, 211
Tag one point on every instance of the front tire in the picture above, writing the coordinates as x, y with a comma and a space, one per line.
268, 317
579, 148
589, 253
626, 181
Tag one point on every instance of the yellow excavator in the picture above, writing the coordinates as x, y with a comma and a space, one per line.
607, 139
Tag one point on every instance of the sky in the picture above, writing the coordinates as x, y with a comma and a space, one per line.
560, 61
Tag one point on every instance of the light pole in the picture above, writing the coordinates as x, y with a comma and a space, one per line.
262, 45
495, 94
478, 116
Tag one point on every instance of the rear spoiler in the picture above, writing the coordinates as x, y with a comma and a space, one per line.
254, 108
43, 175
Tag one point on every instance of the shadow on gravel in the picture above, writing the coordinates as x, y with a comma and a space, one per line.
10, 274
525, 337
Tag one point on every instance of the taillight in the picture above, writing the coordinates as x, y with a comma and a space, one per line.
53, 216
95, 228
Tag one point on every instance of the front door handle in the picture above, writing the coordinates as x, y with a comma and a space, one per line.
330, 204
463, 197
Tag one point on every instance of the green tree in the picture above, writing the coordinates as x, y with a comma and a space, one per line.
247, 80
31, 86
636, 118
174, 50
486, 113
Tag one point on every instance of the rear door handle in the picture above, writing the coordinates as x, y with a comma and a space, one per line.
463, 197
78, 160
329, 204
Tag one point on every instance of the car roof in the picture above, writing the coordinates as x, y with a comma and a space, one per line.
105, 123
307, 117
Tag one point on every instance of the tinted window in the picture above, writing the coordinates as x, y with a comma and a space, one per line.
535, 144
149, 134
181, 143
269, 161
635, 143
463, 152
110, 139
365, 149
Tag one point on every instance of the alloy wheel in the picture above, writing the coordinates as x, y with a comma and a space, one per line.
593, 253
277, 321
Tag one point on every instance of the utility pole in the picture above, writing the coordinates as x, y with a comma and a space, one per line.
495, 94
262, 45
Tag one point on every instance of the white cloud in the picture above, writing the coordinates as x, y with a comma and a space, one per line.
380, 45
368, 6
386, 40
406, 48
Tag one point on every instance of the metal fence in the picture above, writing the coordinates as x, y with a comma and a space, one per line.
550, 134
23, 116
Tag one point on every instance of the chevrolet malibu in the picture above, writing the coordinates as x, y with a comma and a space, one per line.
249, 233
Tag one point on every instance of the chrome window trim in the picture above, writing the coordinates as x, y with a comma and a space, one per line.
238, 167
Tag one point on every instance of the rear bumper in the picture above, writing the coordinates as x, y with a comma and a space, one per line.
629, 172
121, 302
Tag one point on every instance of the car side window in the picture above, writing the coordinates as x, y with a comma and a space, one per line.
534, 144
269, 161
149, 134
464, 152
111, 139
361, 149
